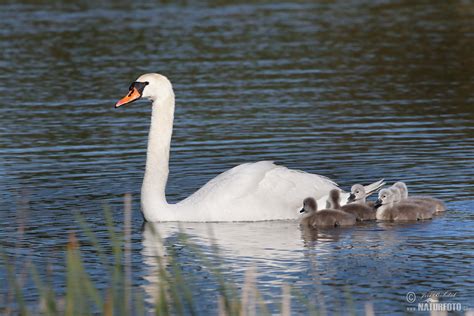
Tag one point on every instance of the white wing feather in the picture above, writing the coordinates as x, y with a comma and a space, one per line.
255, 191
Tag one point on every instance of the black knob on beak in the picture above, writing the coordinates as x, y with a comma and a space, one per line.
378, 203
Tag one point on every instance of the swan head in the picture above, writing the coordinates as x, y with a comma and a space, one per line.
150, 86
357, 193
309, 205
402, 188
385, 197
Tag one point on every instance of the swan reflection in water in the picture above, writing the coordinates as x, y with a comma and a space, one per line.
275, 248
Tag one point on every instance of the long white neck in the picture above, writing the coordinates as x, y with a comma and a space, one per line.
153, 197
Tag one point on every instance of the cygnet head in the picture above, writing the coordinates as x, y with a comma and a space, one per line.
151, 86
397, 197
357, 193
309, 205
402, 188
385, 197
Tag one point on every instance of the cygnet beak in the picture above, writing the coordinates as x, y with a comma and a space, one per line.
302, 210
351, 198
378, 203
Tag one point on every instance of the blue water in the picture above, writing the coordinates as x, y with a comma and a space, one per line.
353, 91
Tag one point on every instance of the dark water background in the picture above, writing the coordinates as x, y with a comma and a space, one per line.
353, 90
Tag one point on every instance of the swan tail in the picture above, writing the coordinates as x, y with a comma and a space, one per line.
374, 187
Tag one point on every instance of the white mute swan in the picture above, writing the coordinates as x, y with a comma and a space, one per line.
248, 192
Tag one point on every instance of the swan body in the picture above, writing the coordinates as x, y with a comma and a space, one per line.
324, 218
248, 192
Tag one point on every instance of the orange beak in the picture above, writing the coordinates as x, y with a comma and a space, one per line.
130, 97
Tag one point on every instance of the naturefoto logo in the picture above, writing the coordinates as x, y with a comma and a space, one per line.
433, 301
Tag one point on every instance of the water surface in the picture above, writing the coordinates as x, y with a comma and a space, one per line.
354, 91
